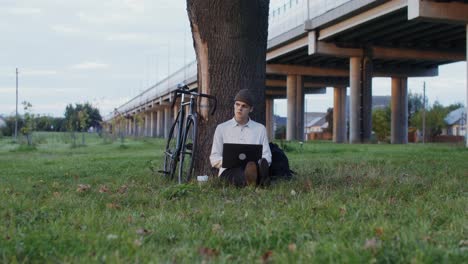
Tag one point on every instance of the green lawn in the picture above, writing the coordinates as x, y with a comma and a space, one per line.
349, 203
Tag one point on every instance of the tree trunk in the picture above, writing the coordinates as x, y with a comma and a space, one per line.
230, 40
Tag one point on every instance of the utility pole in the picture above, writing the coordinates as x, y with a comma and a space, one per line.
424, 113
16, 116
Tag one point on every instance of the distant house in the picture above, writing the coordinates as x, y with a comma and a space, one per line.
315, 122
456, 122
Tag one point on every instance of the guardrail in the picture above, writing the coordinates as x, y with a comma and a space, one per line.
284, 15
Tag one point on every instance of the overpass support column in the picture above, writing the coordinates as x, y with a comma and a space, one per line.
339, 114
270, 119
135, 126
299, 108
361, 99
147, 124
291, 83
167, 121
152, 125
399, 129
154, 128
355, 100
129, 126
160, 123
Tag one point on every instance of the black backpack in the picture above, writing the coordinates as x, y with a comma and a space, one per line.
279, 168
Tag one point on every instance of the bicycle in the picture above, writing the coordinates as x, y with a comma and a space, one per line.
182, 141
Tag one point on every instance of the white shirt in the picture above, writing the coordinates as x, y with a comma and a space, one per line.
232, 132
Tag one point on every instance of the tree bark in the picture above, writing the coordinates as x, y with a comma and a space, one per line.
230, 40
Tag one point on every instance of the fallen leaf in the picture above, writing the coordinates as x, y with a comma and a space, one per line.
463, 243
137, 242
83, 188
113, 206
379, 231
129, 219
143, 231
308, 185
103, 189
208, 252
372, 244
292, 247
123, 189
216, 228
56, 194
112, 237
342, 211
266, 256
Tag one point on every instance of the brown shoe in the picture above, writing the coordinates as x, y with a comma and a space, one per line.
264, 173
251, 173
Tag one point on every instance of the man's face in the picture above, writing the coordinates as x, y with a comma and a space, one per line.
241, 110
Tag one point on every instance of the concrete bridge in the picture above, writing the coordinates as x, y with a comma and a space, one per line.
340, 44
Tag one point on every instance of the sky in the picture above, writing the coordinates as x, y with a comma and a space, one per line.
107, 52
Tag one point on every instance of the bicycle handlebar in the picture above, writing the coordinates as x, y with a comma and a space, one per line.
185, 90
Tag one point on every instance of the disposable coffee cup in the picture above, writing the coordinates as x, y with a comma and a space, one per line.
202, 178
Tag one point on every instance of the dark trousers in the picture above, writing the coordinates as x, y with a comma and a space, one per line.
234, 176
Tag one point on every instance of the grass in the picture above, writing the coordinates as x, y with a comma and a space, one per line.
348, 203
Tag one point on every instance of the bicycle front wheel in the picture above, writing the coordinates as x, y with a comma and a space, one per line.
171, 154
189, 148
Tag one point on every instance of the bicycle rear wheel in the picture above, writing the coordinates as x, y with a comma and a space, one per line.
188, 151
171, 155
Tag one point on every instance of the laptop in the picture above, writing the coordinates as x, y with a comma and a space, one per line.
237, 155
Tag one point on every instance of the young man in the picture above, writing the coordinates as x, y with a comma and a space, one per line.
242, 130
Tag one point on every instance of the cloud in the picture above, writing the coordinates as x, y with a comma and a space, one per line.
7, 90
90, 66
24, 11
66, 29
100, 19
31, 72
134, 37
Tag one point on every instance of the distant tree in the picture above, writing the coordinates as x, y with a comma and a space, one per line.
89, 117
435, 116
139, 120
71, 115
83, 119
415, 104
329, 119
381, 123
29, 125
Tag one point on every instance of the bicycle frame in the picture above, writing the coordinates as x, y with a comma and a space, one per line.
185, 125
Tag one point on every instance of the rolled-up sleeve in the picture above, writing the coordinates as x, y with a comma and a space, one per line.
216, 156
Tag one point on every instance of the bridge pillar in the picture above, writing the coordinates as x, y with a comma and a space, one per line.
360, 123
291, 87
135, 126
270, 119
354, 100
151, 124
339, 114
167, 121
126, 122
160, 123
399, 129
147, 124
154, 126
129, 126
299, 108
